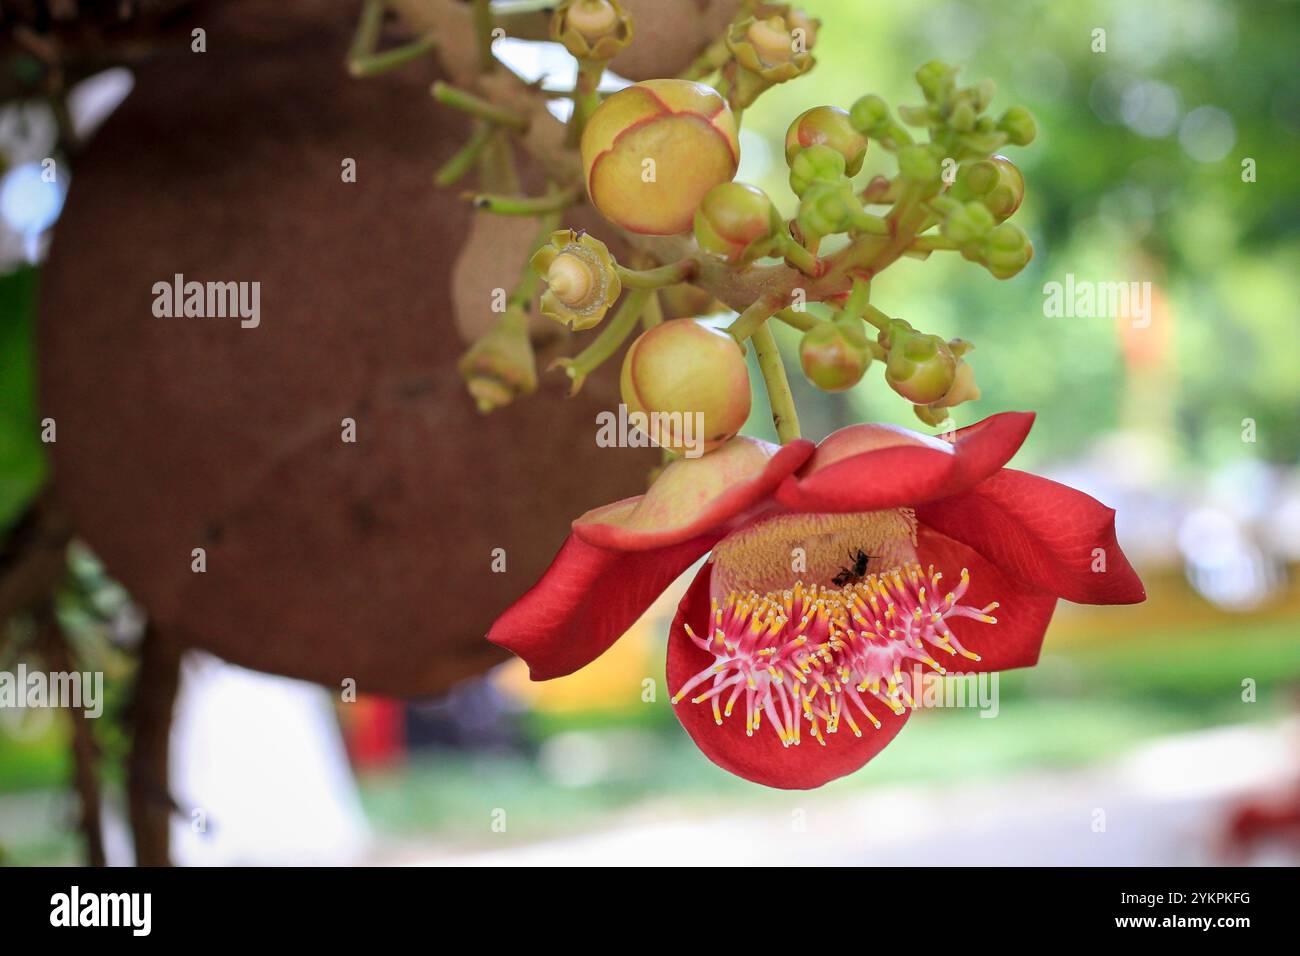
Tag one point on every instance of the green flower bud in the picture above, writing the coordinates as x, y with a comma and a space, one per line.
829, 126
816, 164
962, 118
968, 223
869, 115
936, 80
995, 182
826, 210
1008, 250
1019, 125
835, 355
920, 367
1007, 194
736, 221
917, 164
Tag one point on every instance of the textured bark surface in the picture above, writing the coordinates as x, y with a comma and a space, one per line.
325, 560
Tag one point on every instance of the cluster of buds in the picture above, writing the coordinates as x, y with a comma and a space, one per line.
1001, 247
768, 50
953, 115
658, 159
581, 277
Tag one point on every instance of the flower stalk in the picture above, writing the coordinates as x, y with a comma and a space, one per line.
779, 397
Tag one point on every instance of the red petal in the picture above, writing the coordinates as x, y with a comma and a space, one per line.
1023, 613
872, 467
585, 601
761, 758
1042, 532
694, 496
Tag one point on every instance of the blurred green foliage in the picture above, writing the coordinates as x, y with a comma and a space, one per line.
22, 459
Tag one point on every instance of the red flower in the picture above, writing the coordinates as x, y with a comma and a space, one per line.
835, 571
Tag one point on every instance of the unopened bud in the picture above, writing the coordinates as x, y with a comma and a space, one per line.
827, 126
734, 220
833, 357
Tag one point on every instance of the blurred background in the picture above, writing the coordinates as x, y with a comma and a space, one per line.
1167, 733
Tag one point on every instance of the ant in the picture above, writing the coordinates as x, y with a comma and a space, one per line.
855, 573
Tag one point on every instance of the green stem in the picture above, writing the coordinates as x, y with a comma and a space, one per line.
659, 277
653, 314
877, 318
525, 205
932, 244
376, 63
799, 257
753, 318
803, 321
459, 99
784, 415
529, 281
363, 61
585, 98
858, 299
483, 26
465, 157
611, 337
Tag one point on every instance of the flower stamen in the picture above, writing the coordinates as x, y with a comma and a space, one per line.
821, 654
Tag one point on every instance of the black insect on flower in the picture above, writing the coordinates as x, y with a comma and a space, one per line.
855, 572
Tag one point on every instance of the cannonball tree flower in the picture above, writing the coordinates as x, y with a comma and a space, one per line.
786, 667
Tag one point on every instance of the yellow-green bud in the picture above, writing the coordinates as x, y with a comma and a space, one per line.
816, 164
734, 221
1019, 125
683, 374
920, 367
833, 357
1008, 250
827, 126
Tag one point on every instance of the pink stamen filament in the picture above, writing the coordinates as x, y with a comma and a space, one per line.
816, 654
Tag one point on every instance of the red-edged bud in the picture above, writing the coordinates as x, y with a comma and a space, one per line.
827, 126
835, 355
736, 221
652, 151
686, 386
